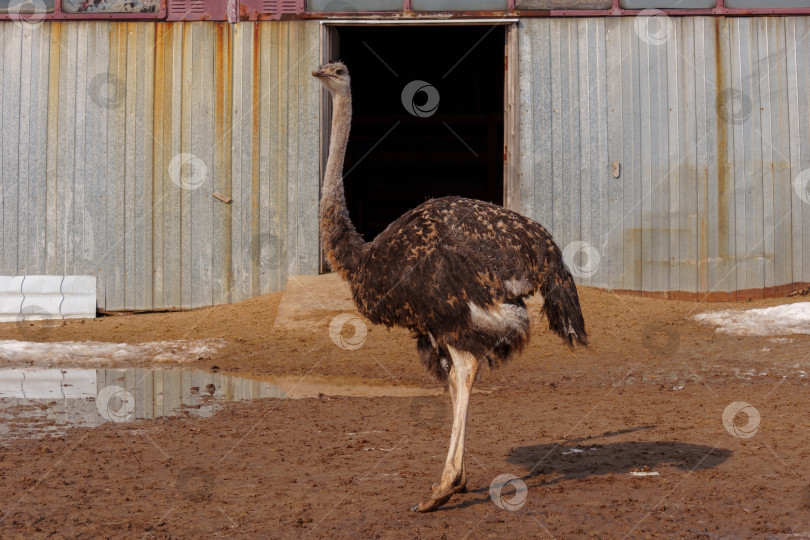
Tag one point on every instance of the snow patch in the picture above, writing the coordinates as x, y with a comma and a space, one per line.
177, 351
784, 319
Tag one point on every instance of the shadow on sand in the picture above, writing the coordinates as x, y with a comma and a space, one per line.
576, 459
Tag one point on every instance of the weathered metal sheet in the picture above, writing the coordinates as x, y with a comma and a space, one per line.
706, 118
115, 135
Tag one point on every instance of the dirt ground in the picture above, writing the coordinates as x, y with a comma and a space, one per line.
648, 394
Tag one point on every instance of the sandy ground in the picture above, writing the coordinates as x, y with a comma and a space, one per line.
648, 394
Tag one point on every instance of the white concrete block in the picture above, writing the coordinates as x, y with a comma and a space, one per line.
47, 297
79, 293
10, 298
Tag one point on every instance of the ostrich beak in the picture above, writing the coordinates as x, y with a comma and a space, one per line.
318, 74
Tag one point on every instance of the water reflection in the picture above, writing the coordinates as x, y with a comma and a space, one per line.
35, 403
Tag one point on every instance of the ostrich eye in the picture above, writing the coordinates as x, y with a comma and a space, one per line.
339, 72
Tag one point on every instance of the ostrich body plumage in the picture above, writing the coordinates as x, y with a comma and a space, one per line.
454, 271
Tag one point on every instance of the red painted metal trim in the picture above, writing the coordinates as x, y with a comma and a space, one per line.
58, 15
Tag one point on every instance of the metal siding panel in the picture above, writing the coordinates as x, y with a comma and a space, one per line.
309, 145
526, 115
76, 231
615, 146
293, 195
704, 185
95, 156
222, 172
680, 53
647, 73
9, 162
202, 144
6, 267
633, 188
584, 135
237, 161
175, 125
160, 111
769, 152
52, 151
38, 149
24, 210
116, 177
801, 158
599, 165
543, 130
141, 57
782, 181
273, 196
186, 136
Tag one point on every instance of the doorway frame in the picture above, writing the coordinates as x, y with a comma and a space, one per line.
511, 96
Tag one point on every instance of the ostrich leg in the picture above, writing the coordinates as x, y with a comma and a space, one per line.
461, 378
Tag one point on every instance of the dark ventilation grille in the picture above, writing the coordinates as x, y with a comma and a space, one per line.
252, 10
198, 10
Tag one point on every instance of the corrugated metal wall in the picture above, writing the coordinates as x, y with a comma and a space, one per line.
709, 119
115, 136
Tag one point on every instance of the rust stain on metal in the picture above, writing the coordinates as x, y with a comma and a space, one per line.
723, 158
223, 95
254, 159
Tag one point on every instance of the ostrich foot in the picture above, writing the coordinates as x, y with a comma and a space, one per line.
442, 493
438, 498
459, 484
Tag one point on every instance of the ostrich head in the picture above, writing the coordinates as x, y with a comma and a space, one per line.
334, 76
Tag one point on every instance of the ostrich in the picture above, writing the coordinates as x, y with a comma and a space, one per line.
454, 271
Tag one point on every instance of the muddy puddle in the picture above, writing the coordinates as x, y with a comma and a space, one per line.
41, 402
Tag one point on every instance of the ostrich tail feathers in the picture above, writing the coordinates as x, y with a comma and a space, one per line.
561, 305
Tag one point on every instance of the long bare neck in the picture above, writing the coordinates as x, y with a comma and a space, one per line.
342, 244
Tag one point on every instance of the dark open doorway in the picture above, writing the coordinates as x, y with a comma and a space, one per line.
412, 141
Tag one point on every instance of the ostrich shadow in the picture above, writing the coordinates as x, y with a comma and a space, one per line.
561, 462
